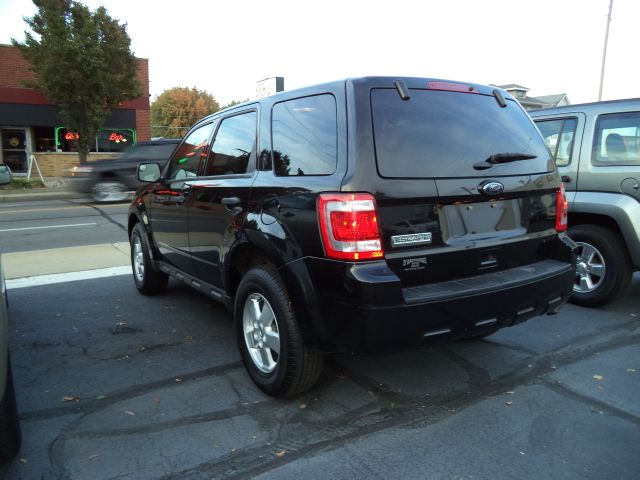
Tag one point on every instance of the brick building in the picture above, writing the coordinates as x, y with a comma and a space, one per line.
30, 125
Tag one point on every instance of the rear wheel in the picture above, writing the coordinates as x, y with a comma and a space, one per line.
269, 338
10, 435
148, 280
603, 270
109, 190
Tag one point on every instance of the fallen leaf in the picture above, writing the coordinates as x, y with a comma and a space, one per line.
94, 456
303, 406
101, 397
631, 370
156, 401
510, 392
509, 403
598, 377
129, 412
280, 453
371, 392
70, 399
23, 460
178, 379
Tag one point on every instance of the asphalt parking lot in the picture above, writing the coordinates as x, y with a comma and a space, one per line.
112, 384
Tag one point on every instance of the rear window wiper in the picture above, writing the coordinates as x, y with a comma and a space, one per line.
505, 157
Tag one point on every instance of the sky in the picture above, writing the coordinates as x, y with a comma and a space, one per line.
548, 46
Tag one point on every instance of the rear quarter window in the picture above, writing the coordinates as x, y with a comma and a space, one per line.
304, 136
439, 134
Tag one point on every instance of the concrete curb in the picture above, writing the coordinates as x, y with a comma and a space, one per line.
28, 196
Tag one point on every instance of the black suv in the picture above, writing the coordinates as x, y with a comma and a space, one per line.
366, 215
113, 180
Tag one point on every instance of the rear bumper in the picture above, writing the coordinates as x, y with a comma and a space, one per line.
367, 310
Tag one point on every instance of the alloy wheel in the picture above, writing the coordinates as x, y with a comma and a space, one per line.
590, 268
261, 333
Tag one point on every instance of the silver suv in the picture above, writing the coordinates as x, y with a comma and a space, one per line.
597, 150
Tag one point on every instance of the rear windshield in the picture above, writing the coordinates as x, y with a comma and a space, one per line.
158, 152
441, 134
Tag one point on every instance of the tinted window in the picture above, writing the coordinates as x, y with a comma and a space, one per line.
443, 134
159, 152
191, 153
559, 135
234, 145
305, 136
616, 140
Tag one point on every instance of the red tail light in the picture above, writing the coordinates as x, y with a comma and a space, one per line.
349, 226
562, 210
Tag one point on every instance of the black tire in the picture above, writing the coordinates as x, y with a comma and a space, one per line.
10, 435
604, 267
148, 280
292, 367
109, 189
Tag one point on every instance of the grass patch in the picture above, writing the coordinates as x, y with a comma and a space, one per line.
23, 184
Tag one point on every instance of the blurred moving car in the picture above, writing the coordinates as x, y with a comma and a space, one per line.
113, 180
9, 423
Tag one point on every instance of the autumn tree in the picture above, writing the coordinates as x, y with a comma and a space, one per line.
83, 64
178, 108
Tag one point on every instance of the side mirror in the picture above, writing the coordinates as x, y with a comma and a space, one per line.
5, 174
148, 172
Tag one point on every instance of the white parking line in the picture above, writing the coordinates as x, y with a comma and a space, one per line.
50, 226
67, 277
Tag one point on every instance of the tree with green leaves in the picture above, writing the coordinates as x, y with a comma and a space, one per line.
176, 109
83, 64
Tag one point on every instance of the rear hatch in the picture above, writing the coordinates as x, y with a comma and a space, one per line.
465, 182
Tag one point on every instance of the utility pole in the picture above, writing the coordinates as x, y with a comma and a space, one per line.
604, 53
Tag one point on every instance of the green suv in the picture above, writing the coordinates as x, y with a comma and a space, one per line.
597, 150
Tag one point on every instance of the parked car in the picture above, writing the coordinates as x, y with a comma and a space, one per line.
114, 180
597, 150
9, 423
365, 215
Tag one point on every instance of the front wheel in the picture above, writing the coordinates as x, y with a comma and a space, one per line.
269, 338
148, 280
603, 267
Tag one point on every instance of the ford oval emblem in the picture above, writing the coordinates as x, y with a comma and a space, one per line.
491, 188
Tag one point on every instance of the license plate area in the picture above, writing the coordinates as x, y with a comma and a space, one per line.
469, 222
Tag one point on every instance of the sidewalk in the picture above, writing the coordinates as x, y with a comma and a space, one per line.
57, 188
64, 260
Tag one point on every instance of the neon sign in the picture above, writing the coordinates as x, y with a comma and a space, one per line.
116, 137
71, 136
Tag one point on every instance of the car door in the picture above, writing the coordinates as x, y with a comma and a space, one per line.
170, 198
219, 200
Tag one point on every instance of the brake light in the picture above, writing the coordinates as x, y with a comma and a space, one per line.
562, 210
452, 87
349, 226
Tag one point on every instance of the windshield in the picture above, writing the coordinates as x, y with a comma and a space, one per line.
158, 152
441, 134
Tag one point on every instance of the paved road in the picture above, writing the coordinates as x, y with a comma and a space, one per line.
112, 384
28, 226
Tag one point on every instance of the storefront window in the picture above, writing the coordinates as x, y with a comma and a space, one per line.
107, 140
44, 139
